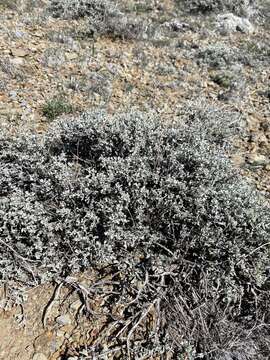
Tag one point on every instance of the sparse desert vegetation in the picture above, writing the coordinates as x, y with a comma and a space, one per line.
135, 159
56, 107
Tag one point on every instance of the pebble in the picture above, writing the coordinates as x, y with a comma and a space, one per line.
71, 56
19, 52
17, 61
64, 320
19, 34
258, 160
13, 94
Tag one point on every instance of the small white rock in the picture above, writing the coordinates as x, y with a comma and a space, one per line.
13, 94
229, 23
17, 61
64, 320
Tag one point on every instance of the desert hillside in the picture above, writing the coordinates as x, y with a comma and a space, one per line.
135, 179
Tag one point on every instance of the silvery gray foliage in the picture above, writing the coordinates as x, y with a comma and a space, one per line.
229, 23
103, 16
238, 7
74, 9
222, 56
146, 196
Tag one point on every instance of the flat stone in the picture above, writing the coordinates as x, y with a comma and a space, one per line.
71, 56
17, 61
19, 52
258, 160
19, 34
38, 34
64, 320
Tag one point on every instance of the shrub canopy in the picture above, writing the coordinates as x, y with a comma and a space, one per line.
152, 198
239, 7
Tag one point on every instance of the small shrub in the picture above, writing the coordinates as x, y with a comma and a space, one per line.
225, 79
143, 7
238, 7
103, 16
221, 56
56, 107
258, 50
74, 9
163, 205
12, 70
53, 57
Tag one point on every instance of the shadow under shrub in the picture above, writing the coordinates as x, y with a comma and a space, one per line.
163, 204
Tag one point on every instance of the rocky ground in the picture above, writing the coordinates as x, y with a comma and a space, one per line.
52, 66
51, 324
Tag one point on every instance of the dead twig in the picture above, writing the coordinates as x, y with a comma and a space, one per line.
146, 282
17, 254
144, 314
51, 303
252, 252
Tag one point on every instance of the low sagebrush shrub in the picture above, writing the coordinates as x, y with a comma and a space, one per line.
162, 203
239, 7
224, 79
221, 56
56, 107
104, 17
74, 9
